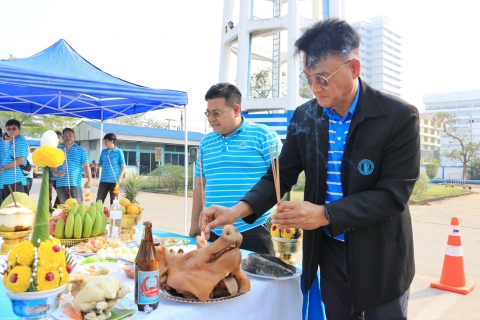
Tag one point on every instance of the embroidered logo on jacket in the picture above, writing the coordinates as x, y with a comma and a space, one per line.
365, 167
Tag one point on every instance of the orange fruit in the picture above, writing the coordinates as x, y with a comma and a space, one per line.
70, 201
125, 202
133, 210
138, 206
124, 210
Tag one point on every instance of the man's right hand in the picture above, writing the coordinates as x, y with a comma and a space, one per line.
216, 216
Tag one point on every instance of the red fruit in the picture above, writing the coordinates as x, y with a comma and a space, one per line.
56, 248
49, 276
52, 226
69, 268
106, 212
13, 278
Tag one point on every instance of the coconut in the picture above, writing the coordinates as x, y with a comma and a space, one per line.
16, 218
20, 197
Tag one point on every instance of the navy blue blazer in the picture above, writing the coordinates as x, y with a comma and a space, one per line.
380, 165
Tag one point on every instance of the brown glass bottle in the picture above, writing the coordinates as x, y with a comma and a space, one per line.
147, 271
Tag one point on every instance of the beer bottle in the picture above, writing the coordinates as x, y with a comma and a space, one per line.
147, 272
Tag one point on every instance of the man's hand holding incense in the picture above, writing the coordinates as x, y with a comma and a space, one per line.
300, 214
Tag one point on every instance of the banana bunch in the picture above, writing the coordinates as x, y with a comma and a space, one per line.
82, 224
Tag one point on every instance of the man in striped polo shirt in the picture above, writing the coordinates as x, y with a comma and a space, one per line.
113, 163
16, 152
231, 159
69, 181
360, 150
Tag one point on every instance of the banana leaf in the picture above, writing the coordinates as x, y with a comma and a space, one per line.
41, 228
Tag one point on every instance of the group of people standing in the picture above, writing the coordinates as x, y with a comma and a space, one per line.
360, 151
66, 179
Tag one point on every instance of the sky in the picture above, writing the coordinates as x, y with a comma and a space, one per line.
175, 44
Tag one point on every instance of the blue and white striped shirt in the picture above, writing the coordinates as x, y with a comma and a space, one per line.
76, 157
337, 135
11, 176
112, 162
233, 165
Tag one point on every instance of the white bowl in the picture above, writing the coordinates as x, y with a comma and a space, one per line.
113, 268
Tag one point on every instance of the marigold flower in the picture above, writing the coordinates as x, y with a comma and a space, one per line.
274, 231
288, 233
18, 279
25, 253
48, 157
43, 276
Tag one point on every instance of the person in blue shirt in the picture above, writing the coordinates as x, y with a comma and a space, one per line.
2, 155
69, 181
112, 161
53, 178
230, 161
15, 156
28, 186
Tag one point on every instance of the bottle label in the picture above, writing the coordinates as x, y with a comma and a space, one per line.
148, 287
115, 214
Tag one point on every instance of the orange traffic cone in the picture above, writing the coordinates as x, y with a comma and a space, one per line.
453, 273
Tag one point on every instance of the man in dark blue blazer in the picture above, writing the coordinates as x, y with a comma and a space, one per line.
360, 150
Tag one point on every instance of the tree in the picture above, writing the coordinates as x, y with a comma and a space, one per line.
474, 169
34, 126
261, 83
431, 167
468, 149
142, 120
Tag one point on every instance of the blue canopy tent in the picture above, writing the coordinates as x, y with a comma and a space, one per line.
58, 81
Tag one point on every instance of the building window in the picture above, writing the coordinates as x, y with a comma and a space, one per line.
425, 139
425, 130
130, 158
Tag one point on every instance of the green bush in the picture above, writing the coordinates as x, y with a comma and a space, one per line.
301, 182
421, 186
431, 167
169, 176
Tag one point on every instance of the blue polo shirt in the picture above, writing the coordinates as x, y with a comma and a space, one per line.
76, 157
232, 165
11, 176
337, 135
112, 162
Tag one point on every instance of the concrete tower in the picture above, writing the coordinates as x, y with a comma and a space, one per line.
259, 36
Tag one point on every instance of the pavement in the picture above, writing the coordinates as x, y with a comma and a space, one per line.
431, 223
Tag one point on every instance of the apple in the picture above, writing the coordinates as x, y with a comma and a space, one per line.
106, 212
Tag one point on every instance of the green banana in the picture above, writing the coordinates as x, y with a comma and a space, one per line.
104, 220
74, 208
92, 211
99, 205
82, 210
69, 226
77, 228
60, 229
97, 227
87, 227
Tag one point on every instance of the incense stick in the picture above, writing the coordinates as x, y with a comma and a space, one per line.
276, 172
202, 234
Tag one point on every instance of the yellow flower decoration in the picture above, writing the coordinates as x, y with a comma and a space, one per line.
47, 278
275, 231
48, 157
288, 233
51, 254
25, 253
64, 276
18, 279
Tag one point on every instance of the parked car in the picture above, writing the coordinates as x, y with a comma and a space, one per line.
38, 171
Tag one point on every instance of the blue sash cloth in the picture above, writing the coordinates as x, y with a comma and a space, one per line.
313, 307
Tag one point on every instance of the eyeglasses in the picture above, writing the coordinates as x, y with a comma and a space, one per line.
216, 113
321, 80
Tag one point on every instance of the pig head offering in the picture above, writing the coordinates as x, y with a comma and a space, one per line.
210, 271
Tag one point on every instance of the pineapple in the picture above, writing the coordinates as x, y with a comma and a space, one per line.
131, 186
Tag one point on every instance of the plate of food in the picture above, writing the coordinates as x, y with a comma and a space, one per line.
268, 267
124, 309
113, 268
171, 241
173, 296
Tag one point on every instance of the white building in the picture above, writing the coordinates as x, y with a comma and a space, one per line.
465, 105
381, 54
260, 34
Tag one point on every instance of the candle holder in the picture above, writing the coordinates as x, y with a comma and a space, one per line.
12, 239
287, 248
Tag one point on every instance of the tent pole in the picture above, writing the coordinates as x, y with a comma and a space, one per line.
100, 141
186, 170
